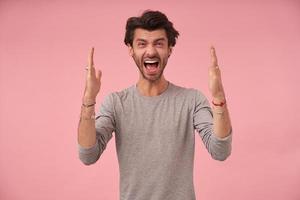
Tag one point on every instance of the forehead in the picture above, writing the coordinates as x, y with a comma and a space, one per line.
147, 35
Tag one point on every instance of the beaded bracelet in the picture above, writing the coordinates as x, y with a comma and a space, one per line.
219, 104
89, 105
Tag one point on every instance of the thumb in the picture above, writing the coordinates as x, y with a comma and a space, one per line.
98, 75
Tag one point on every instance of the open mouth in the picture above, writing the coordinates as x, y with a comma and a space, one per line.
151, 66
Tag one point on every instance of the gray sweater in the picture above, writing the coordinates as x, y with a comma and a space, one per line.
155, 141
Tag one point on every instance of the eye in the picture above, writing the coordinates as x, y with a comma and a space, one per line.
159, 44
141, 44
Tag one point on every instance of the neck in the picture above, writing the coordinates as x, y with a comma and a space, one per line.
149, 88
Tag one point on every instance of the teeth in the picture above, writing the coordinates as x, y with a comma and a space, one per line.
150, 61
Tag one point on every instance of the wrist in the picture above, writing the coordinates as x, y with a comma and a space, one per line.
219, 101
87, 114
219, 108
88, 100
88, 103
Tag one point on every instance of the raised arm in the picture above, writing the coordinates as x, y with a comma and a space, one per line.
86, 126
214, 124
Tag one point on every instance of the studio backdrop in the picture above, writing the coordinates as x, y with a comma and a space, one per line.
44, 47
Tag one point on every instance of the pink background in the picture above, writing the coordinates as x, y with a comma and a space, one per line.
43, 51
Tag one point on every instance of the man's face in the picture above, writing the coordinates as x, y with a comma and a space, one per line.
150, 52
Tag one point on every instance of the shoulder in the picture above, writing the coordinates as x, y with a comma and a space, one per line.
121, 95
113, 100
190, 93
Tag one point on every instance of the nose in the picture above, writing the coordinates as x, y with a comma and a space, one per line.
150, 51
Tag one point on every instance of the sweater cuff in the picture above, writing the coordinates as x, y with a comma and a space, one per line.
89, 150
228, 137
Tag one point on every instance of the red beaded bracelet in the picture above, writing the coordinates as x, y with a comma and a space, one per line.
219, 104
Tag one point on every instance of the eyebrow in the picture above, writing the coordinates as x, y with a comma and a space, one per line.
158, 39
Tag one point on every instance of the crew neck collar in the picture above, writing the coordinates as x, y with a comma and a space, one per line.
137, 92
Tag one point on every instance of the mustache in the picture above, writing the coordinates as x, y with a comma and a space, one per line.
151, 58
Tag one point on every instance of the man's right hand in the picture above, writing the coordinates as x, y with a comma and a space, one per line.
93, 80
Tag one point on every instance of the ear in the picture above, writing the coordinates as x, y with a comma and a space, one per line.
130, 50
170, 50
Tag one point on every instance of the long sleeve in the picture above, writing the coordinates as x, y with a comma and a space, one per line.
105, 125
219, 148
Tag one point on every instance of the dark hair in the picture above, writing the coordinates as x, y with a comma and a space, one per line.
151, 20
